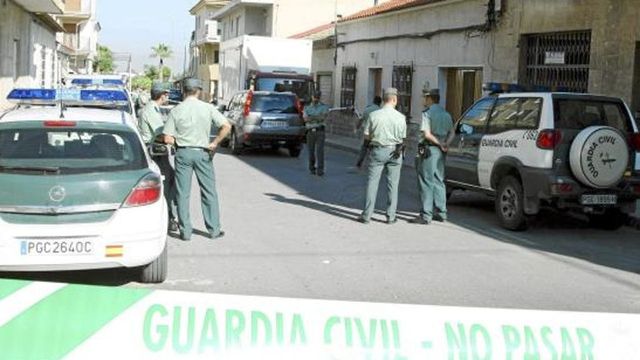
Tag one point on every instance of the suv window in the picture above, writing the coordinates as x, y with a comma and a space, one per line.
577, 114
474, 120
515, 113
283, 104
72, 151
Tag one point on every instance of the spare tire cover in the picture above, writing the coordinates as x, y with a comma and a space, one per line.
599, 156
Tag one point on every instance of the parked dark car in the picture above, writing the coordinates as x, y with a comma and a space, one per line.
265, 119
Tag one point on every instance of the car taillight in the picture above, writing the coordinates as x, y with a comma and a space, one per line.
146, 192
548, 139
561, 188
299, 106
247, 104
635, 141
59, 123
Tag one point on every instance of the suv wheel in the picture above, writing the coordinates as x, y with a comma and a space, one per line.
156, 272
294, 150
611, 219
510, 204
234, 145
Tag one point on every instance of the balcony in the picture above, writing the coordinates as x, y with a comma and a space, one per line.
208, 33
76, 11
42, 6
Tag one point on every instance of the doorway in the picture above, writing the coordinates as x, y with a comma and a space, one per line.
463, 87
375, 84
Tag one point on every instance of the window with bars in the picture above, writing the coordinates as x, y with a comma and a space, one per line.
348, 92
401, 79
557, 60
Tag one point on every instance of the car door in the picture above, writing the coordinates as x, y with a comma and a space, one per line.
462, 158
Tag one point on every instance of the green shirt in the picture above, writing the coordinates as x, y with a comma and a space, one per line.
386, 127
437, 120
316, 114
150, 122
190, 123
367, 113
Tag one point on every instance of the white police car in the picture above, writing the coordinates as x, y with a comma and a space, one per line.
77, 188
567, 151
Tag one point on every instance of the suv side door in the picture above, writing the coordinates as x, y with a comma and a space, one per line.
462, 159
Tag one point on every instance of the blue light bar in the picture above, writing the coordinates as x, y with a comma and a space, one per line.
103, 95
50, 96
32, 95
87, 82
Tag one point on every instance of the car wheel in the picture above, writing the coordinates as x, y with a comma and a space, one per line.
510, 204
294, 150
234, 145
156, 272
611, 219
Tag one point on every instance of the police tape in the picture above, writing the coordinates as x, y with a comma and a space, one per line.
53, 321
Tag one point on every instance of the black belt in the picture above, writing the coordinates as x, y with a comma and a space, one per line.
383, 146
192, 147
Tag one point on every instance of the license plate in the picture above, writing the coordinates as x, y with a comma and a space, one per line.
274, 124
55, 247
599, 199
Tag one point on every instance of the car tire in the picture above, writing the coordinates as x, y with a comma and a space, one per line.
611, 220
234, 145
294, 150
156, 272
510, 204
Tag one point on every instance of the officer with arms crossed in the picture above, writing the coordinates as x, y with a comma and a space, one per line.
151, 124
436, 132
386, 131
377, 101
315, 116
188, 128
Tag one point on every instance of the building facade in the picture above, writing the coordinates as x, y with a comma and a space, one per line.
28, 47
79, 41
205, 46
457, 45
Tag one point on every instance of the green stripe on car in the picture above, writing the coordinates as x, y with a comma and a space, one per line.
8, 287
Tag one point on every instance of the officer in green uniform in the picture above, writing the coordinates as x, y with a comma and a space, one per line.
151, 124
188, 128
435, 133
364, 150
315, 116
386, 132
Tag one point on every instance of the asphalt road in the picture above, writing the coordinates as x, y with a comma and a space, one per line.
290, 234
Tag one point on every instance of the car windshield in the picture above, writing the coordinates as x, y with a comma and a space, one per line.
283, 104
578, 114
298, 87
69, 151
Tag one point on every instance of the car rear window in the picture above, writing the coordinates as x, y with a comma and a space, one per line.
70, 151
578, 114
282, 104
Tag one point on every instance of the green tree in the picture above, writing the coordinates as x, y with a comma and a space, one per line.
152, 73
141, 82
104, 60
163, 52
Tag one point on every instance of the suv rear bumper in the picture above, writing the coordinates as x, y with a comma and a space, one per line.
256, 136
545, 187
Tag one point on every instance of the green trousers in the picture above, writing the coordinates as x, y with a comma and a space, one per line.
315, 146
431, 186
188, 161
380, 160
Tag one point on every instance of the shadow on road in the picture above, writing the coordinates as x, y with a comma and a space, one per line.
110, 277
340, 193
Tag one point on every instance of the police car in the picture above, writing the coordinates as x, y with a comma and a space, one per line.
535, 149
77, 188
103, 82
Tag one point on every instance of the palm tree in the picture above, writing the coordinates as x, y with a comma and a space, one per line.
163, 52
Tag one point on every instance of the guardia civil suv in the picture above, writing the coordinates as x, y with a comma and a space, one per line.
568, 151
77, 187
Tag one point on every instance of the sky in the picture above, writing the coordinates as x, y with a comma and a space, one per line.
134, 26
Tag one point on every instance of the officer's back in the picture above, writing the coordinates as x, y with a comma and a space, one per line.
387, 127
193, 122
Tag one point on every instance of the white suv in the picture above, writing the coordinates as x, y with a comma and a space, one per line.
567, 151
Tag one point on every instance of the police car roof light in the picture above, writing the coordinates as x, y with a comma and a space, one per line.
103, 95
97, 82
32, 95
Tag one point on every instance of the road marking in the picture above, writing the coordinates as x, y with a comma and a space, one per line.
21, 300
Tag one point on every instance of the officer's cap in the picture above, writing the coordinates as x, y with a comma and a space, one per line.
431, 92
192, 84
158, 89
390, 92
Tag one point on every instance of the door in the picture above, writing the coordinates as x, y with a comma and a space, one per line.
325, 84
462, 158
375, 84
